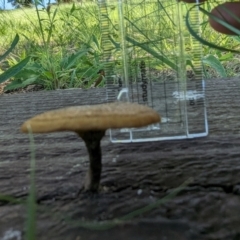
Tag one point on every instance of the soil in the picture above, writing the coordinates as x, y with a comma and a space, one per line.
134, 175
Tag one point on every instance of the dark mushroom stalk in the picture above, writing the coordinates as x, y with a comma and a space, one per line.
92, 141
90, 122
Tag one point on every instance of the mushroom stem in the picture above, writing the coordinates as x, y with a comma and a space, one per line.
92, 141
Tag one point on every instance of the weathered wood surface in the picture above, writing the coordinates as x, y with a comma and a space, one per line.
134, 174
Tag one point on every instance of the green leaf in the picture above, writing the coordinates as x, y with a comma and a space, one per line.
30, 227
34, 66
48, 74
163, 8
213, 62
31, 80
116, 44
225, 24
87, 62
71, 61
189, 63
18, 83
13, 45
26, 73
88, 72
73, 8
153, 53
201, 40
237, 38
72, 79
13, 70
38, 2
15, 84
226, 57
95, 40
10, 199
54, 14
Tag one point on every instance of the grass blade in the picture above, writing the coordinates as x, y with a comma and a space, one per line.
73, 59
13, 45
14, 70
201, 40
153, 53
225, 24
113, 223
31, 201
10, 199
157, 203
164, 9
213, 62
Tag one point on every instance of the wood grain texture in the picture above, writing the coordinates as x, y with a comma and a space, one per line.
134, 175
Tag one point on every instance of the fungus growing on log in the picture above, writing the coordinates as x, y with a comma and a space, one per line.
90, 122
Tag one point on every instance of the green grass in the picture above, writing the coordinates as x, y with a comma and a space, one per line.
66, 48
53, 38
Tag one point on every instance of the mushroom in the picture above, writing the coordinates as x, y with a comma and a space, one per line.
90, 122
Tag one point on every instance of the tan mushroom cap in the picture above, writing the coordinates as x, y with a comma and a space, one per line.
93, 117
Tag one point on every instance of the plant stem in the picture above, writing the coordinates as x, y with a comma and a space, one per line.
40, 23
